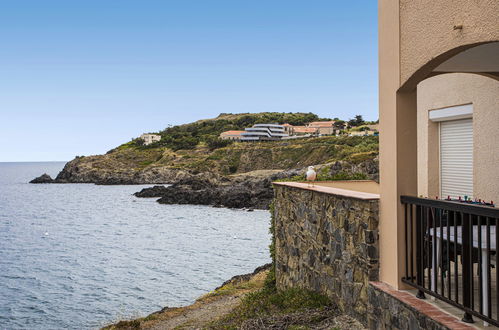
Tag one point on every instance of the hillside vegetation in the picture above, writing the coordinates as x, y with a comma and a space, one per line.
243, 157
188, 136
190, 149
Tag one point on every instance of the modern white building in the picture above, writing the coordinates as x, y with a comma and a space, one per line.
150, 138
264, 132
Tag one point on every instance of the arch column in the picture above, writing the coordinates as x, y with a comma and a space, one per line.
398, 146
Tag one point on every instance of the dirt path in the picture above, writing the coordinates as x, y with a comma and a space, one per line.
199, 315
207, 308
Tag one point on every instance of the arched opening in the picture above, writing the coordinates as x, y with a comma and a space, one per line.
399, 140
481, 58
475, 59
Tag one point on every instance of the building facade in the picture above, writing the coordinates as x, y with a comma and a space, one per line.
430, 144
263, 132
305, 130
150, 138
323, 127
419, 40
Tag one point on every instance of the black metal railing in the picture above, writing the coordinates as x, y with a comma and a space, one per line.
450, 253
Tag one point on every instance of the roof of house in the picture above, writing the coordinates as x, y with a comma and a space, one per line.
322, 123
304, 129
232, 132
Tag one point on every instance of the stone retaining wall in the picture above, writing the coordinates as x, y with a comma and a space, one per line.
395, 309
327, 243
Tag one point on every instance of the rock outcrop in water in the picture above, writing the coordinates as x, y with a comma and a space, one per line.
253, 190
44, 178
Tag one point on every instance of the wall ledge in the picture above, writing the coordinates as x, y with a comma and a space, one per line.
422, 307
330, 190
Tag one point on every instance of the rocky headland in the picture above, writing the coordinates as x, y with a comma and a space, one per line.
202, 169
251, 189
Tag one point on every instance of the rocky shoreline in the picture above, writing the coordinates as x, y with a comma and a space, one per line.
251, 190
244, 191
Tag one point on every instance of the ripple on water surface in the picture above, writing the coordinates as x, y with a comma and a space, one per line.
81, 256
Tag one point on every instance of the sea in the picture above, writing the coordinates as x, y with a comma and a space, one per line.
81, 256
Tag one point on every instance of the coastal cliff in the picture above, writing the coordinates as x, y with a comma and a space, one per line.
138, 165
206, 170
235, 176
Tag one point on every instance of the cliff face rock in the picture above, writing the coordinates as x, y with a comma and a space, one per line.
128, 164
99, 170
369, 167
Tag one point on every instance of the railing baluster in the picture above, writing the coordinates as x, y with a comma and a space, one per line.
427, 241
419, 250
480, 270
456, 255
448, 257
438, 215
497, 269
411, 222
406, 243
434, 261
467, 271
472, 268
489, 290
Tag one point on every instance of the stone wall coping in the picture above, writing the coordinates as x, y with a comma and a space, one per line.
422, 307
330, 190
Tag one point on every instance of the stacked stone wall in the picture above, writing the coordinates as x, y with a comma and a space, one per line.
392, 309
327, 243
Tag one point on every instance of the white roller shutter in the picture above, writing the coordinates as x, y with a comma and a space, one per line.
456, 158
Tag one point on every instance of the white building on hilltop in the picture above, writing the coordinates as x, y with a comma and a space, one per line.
264, 132
150, 138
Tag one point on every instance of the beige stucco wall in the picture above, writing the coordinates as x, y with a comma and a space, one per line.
457, 89
414, 38
427, 29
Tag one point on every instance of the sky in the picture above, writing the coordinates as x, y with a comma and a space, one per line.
81, 77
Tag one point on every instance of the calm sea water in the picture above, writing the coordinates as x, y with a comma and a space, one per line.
78, 256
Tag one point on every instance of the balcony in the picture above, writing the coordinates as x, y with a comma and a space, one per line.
450, 253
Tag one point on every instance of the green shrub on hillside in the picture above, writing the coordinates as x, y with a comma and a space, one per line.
265, 303
214, 142
189, 135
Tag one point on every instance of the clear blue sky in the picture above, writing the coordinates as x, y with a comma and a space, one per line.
80, 77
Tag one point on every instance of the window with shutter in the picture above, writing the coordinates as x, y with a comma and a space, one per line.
456, 158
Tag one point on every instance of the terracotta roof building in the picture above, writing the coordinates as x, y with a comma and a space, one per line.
231, 135
303, 130
323, 127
